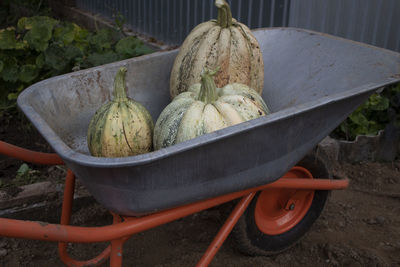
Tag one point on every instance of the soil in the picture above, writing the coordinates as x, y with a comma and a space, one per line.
359, 226
15, 129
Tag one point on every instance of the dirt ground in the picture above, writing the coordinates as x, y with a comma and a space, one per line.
359, 226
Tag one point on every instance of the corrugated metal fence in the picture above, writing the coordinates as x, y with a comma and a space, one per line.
172, 20
375, 22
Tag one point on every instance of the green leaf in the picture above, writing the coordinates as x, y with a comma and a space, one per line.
127, 46
131, 46
23, 170
374, 127
21, 45
72, 52
143, 50
55, 58
65, 34
22, 24
10, 70
40, 60
40, 32
14, 95
7, 39
360, 130
28, 73
378, 102
102, 40
83, 46
38, 38
96, 59
80, 33
28, 23
1, 65
81, 38
359, 119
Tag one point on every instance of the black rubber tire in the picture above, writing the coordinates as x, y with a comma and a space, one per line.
251, 241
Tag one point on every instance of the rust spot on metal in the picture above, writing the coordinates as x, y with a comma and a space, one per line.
98, 78
79, 98
292, 102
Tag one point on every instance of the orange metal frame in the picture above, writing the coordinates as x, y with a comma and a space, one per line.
124, 227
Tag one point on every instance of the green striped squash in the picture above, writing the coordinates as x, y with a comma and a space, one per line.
204, 108
121, 127
225, 43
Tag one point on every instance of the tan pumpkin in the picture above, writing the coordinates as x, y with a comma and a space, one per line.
225, 43
204, 109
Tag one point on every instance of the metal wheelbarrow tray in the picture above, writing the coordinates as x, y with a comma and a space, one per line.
313, 82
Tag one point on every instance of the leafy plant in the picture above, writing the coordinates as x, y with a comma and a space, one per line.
26, 175
378, 111
40, 47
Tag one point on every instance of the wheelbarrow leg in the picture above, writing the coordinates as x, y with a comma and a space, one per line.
68, 198
225, 230
116, 246
116, 253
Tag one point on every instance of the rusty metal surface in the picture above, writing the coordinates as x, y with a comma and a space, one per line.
313, 82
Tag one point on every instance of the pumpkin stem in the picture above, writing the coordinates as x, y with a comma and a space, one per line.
208, 89
119, 85
224, 14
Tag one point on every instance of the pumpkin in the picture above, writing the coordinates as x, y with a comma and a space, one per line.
121, 127
225, 43
204, 108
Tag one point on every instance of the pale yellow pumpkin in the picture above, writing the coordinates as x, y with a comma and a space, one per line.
121, 127
204, 108
225, 43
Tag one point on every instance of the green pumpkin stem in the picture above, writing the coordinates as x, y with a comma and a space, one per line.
119, 85
224, 14
208, 89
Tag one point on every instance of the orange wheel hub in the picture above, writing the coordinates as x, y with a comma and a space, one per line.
279, 210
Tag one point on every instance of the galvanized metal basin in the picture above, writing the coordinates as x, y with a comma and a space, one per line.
313, 82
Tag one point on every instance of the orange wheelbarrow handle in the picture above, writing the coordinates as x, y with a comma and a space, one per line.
29, 155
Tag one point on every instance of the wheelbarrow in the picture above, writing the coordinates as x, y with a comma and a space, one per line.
313, 82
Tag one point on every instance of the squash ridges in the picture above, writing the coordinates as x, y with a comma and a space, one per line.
121, 127
185, 117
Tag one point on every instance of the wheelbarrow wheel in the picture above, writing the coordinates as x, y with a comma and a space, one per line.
272, 224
